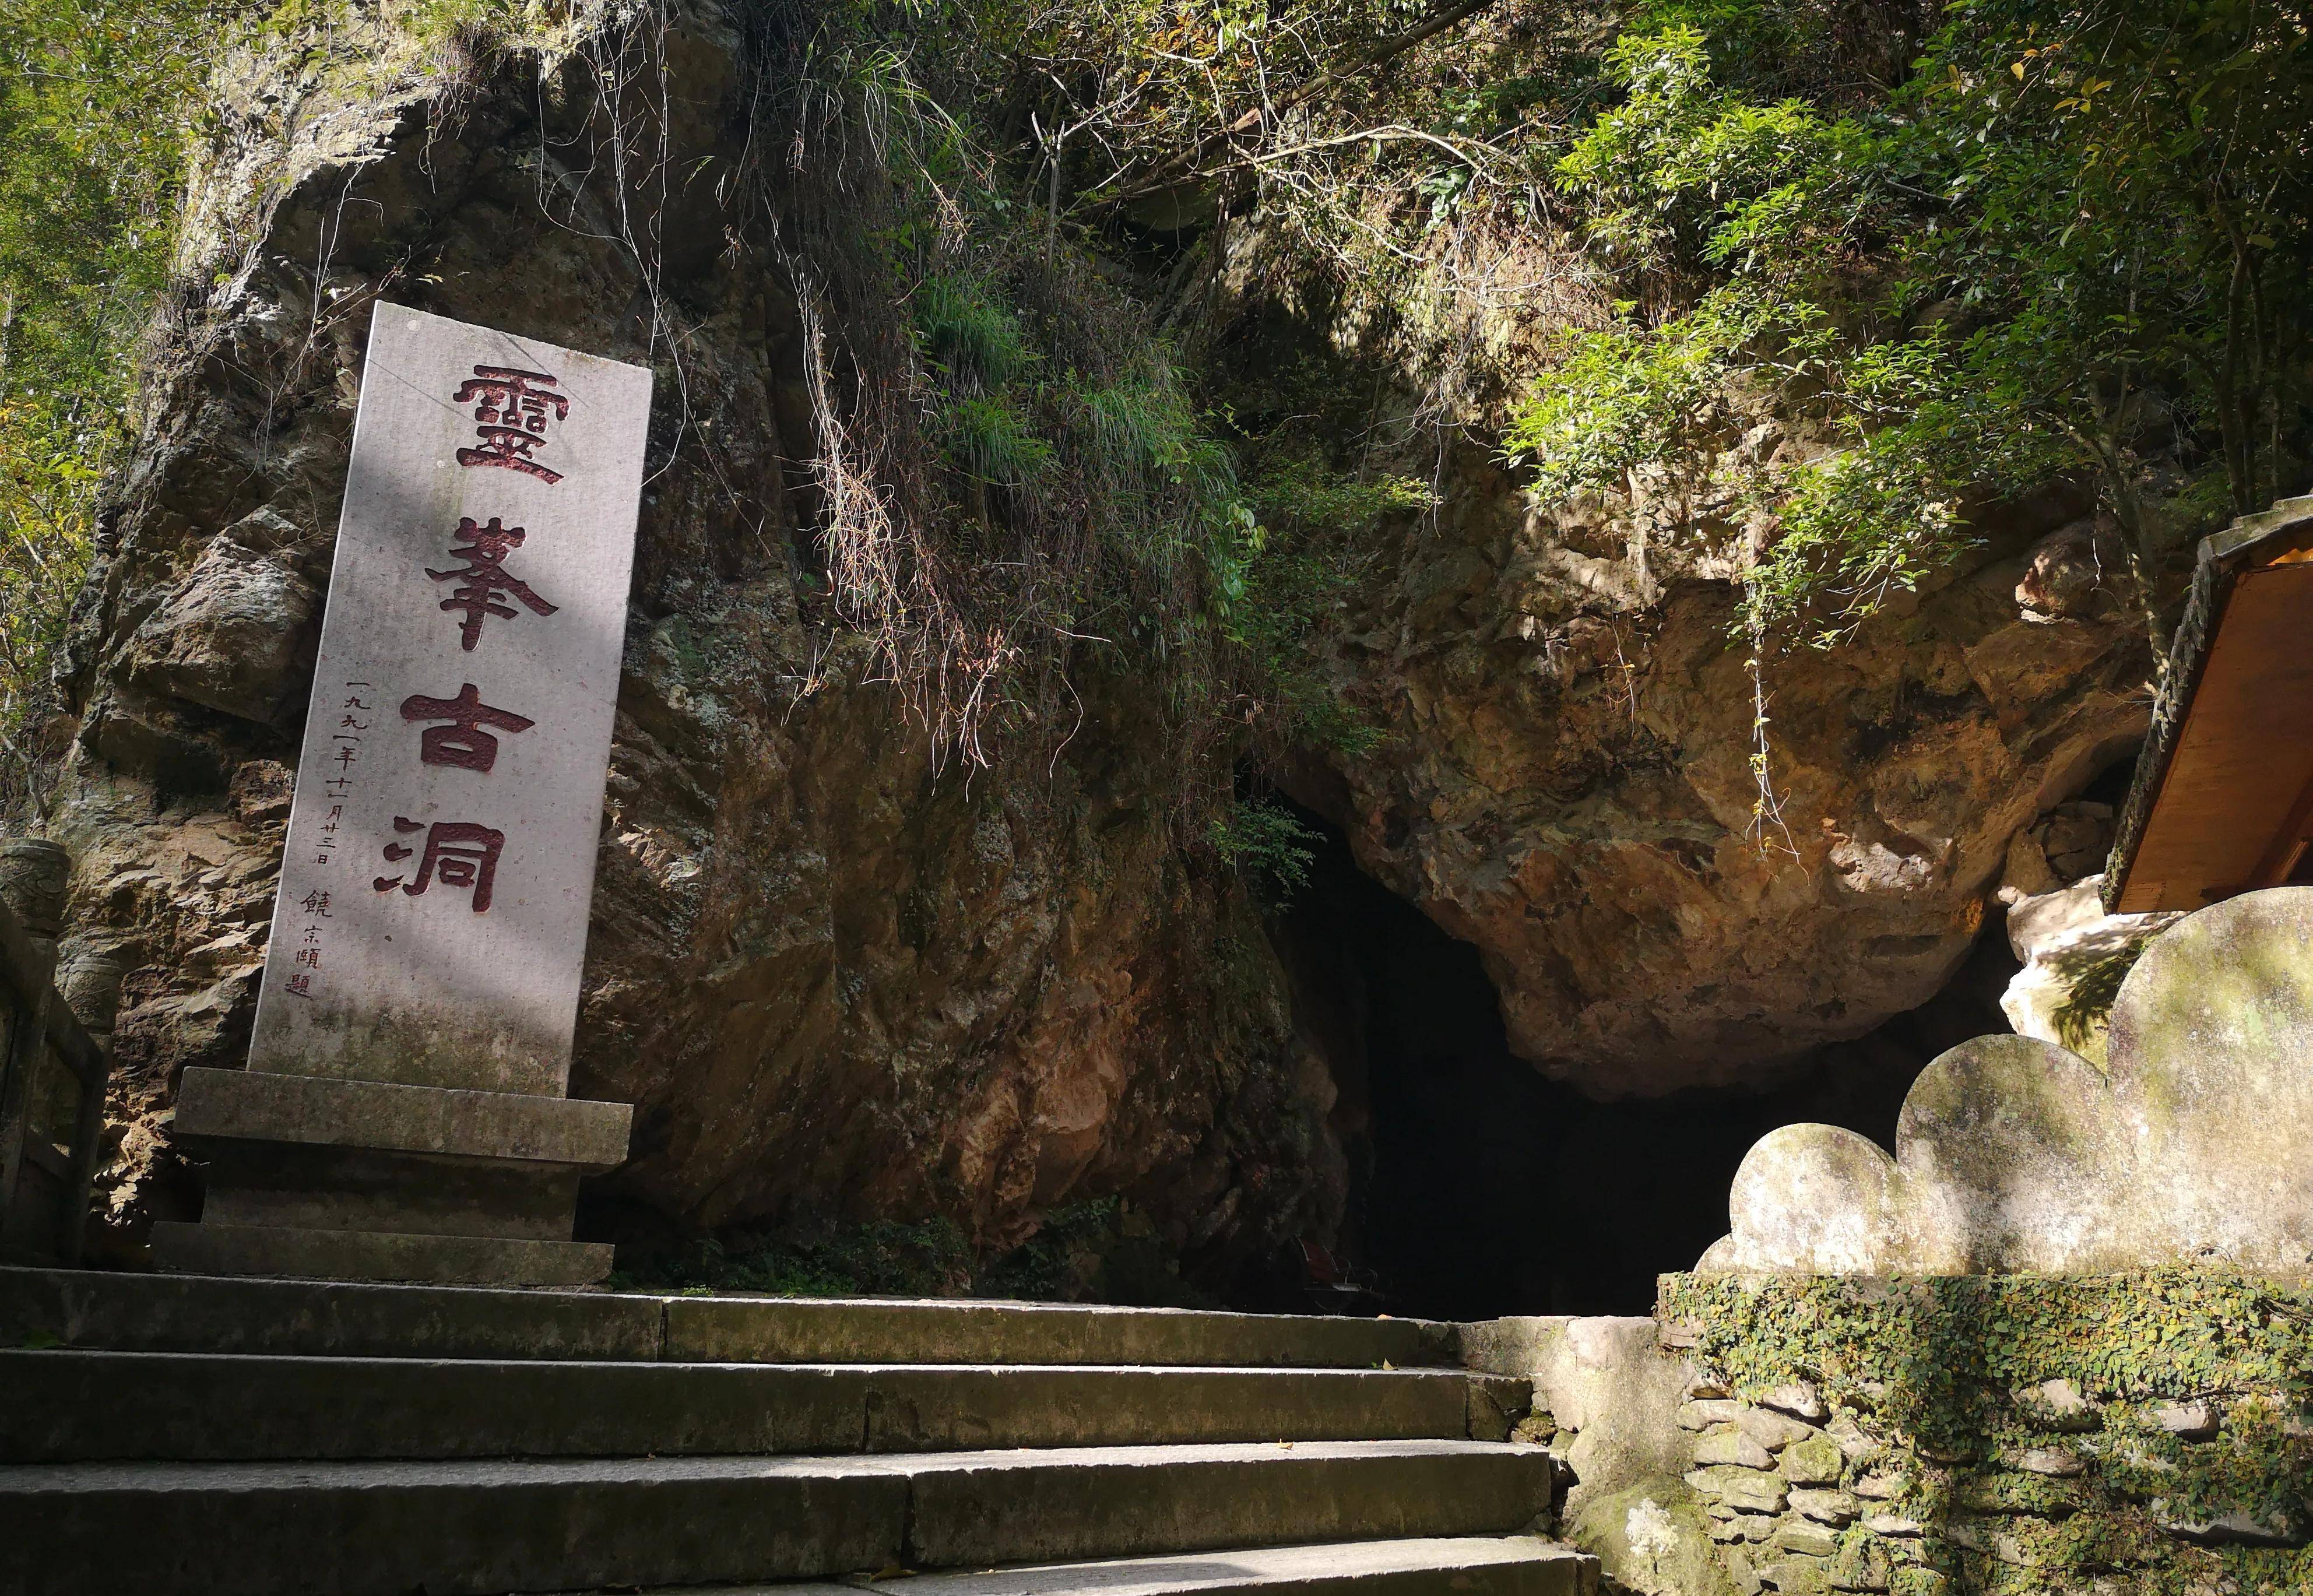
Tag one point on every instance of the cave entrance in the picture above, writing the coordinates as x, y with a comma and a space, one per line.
1478, 1188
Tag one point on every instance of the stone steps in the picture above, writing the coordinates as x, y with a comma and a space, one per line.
471, 1527
182, 1436
327, 1318
1471, 1566
67, 1406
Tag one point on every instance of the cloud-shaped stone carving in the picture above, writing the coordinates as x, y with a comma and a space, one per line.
2011, 1153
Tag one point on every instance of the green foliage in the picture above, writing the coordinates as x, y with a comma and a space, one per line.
1318, 526
1032, 488
1268, 845
1874, 278
1095, 488
2075, 235
50, 468
1938, 1361
97, 98
1298, 495
990, 440
1074, 511
1682, 170
1626, 397
1172, 487
975, 340
102, 103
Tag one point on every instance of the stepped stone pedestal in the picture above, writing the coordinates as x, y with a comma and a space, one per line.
376, 1180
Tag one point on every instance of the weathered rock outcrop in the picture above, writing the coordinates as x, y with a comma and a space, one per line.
2075, 957
1567, 780
823, 973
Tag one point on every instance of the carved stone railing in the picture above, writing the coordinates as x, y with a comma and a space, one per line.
53, 1070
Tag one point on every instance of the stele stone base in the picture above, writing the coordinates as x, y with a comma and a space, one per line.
373, 1180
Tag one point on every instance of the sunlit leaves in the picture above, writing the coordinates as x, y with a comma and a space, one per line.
96, 100
2074, 239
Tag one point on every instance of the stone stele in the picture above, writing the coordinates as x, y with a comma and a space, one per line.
2195, 1142
402, 1115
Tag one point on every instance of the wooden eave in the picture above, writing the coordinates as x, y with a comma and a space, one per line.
2223, 794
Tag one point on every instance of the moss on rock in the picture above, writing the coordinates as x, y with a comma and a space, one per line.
2146, 1431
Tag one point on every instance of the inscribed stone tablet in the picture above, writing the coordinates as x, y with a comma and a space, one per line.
431, 921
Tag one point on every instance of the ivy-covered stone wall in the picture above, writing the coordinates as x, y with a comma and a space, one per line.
2112, 1434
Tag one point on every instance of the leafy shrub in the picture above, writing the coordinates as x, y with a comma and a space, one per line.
1268, 845
2069, 238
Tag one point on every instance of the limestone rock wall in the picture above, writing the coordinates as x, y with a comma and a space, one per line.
1568, 721
1567, 781
822, 974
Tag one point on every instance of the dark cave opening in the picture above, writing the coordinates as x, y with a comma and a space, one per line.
1480, 1188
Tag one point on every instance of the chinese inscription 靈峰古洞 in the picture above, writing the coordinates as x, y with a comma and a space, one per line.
513, 409
459, 851
444, 862
463, 742
483, 548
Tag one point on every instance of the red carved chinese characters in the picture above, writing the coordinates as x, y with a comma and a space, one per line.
516, 413
514, 409
484, 576
458, 852
462, 742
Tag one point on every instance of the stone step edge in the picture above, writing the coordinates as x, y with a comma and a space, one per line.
197, 1313
79, 1405
471, 1529
20, 1480
1367, 1566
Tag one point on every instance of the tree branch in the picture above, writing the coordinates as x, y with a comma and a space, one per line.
1190, 165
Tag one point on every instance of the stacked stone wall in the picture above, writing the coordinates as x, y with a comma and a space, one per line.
2001, 1434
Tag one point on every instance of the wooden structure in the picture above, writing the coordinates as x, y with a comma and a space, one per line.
2222, 803
52, 1078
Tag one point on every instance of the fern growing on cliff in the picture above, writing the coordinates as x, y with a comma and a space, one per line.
1020, 491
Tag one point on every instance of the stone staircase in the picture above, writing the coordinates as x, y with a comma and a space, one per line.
181, 1435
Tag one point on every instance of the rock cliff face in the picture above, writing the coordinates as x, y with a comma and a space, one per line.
828, 976
824, 975
1567, 780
